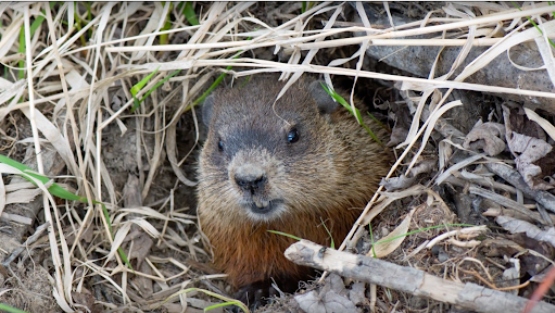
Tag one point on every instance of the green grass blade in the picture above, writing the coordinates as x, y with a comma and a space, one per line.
217, 81
332, 244
21, 49
356, 113
424, 229
87, 4
138, 102
228, 301
284, 234
306, 5
167, 25
533, 23
22, 46
54, 189
219, 305
212, 87
7, 308
190, 14
58, 191
378, 122
78, 25
409, 233
140, 85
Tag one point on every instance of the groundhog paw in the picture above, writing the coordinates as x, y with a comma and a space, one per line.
255, 295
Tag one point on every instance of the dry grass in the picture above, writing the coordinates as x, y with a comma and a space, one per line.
75, 92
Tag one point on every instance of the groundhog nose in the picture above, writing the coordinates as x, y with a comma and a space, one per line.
250, 177
250, 182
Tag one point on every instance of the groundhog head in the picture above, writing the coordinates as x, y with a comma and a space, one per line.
263, 158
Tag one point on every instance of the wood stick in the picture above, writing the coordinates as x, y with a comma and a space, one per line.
514, 178
506, 202
408, 279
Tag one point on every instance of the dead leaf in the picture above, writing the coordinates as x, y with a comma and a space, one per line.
529, 262
356, 294
144, 284
486, 136
22, 195
396, 183
326, 302
516, 226
534, 156
532, 151
384, 247
335, 283
545, 124
132, 192
425, 166
86, 299
86, 236
516, 121
141, 246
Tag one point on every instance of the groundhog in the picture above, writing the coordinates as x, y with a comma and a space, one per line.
298, 166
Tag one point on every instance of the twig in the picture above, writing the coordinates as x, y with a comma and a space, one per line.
504, 202
546, 199
407, 279
29, 241
17, 218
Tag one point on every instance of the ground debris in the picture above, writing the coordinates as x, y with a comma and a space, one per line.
534, 156
486, 136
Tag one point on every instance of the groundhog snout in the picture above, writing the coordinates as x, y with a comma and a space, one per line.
250, 178
253, 181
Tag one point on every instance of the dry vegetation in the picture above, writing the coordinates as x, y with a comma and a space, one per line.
67, 111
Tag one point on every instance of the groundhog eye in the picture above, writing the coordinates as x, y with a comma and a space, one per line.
293, 136
220, 145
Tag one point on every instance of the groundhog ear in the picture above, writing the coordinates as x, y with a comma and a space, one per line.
207, 106
324, 102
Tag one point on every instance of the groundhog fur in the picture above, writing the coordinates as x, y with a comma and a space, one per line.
289, 167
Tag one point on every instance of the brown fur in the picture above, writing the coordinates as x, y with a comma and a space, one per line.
328, 175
